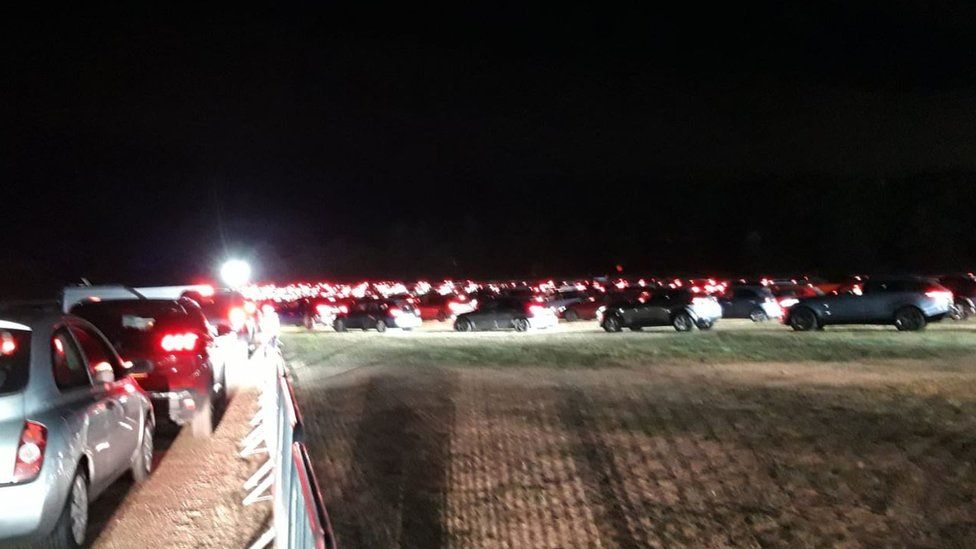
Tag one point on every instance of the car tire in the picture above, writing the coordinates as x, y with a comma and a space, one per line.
570, 316
758, 315
142, 464
380, 326
705, 325
909, 319
520, 325
803, 319
682, 322
69, 530
339, 325
463, 325
612, 324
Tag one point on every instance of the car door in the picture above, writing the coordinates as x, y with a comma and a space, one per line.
117, 411
483, 318
844, 307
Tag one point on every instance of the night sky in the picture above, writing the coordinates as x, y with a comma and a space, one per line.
143, 147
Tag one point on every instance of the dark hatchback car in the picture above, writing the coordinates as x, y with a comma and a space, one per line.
756, 303
507, 313
378, 314
907, 303
679, 308
187, 380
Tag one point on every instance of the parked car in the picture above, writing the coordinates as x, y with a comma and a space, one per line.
790, 294
321, 311
188, 380
582, 310
907, 303
72, 421
229, 312
756, 303
661, 307
561, 300
507, 313
963, 288
378, 314
434, 306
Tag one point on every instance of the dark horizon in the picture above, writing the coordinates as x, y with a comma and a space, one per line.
143, 147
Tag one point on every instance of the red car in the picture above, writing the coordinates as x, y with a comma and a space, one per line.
582, 310
187, 380
435, 306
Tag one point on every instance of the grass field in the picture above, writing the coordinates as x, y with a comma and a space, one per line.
747, 436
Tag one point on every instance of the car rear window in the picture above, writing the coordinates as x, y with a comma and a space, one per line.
14, 360
132, 327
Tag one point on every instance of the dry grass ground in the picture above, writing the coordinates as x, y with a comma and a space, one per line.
854, 438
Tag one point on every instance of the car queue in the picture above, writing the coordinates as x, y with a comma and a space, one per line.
85, 384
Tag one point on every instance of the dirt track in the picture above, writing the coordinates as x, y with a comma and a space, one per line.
747, 455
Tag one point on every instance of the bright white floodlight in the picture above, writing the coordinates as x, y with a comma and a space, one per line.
235, 273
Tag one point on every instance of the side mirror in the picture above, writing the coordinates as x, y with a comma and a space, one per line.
140, 366
223, 329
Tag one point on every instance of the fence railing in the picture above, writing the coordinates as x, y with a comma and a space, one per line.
299, 517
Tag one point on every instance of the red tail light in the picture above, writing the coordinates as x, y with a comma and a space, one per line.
343, 309
174, 343
30, 452
7, 343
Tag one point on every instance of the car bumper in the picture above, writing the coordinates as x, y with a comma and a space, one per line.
408, 321
544, 321
708, 312
772, 310
179, 406
28, 511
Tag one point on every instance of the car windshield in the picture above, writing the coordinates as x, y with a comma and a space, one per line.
132, 326
14, 360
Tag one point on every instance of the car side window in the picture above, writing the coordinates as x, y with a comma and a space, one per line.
70, 370
99, 355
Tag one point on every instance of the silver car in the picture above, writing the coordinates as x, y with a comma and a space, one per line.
72, 421
907, 303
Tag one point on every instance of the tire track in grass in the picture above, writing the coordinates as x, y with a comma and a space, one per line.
596, 464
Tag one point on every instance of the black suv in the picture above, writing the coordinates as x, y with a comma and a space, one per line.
666, 307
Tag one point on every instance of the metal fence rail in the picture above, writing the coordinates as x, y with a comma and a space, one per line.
299, 517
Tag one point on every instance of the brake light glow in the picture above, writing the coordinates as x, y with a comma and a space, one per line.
250, 308
206, 291
172, 343
7, 344
939, 294
343, 309
30, 452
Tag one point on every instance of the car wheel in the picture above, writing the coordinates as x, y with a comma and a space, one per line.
612, 324
682, 322
70, 529
959, 310
758, 315
521, 325
441, 317
142, 466
380, 326
909, 319
705, 325
463, 325
339, 325
570, 316
803, 319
